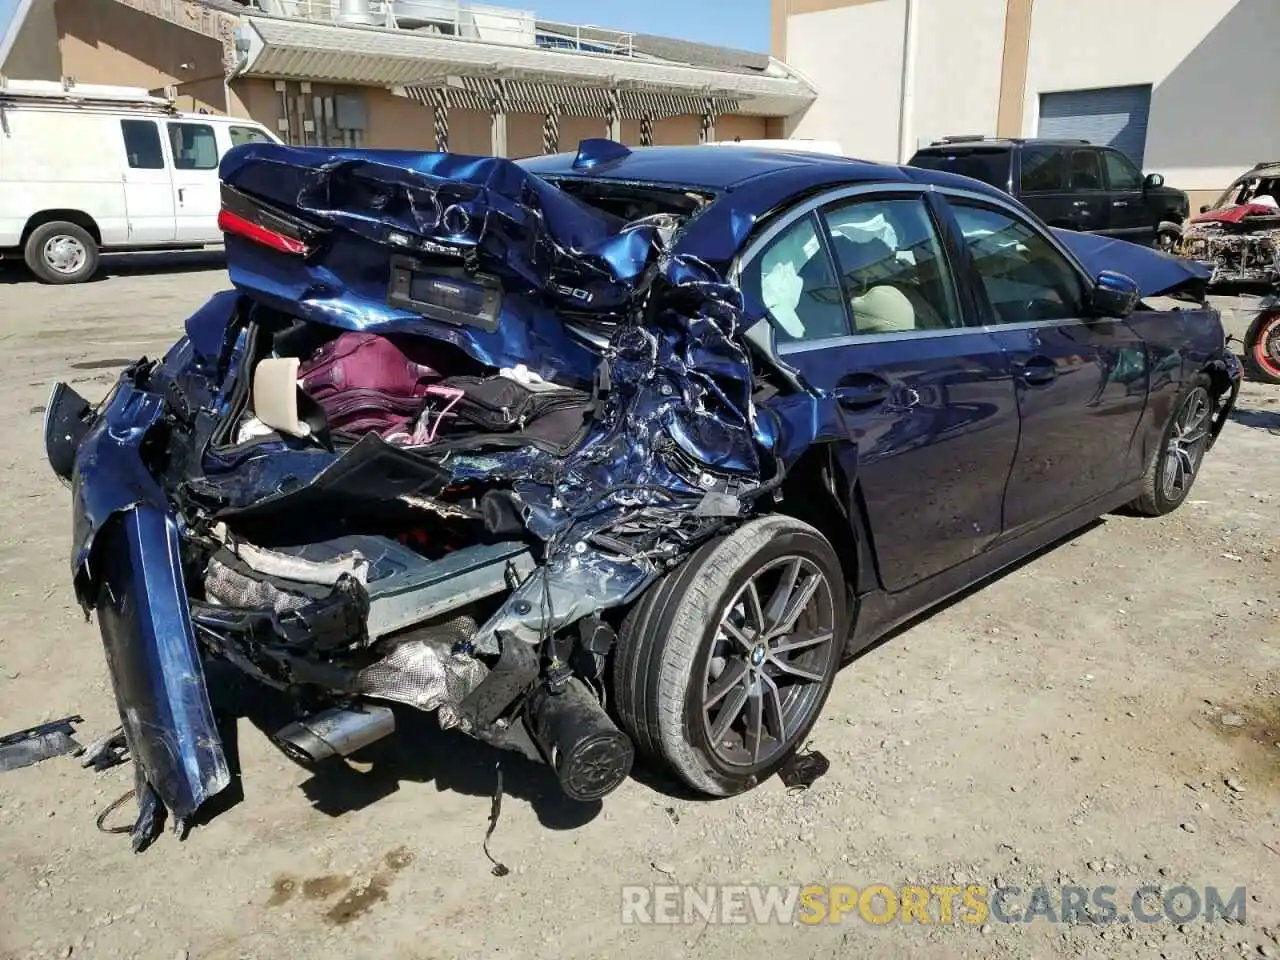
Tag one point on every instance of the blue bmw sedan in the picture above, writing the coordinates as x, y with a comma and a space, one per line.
605, 452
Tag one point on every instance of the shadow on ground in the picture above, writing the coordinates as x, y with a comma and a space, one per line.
130, 264
418, 752
1257, 419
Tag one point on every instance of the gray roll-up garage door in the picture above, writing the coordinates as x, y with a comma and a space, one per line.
1114, 117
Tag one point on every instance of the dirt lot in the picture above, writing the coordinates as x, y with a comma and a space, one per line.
1083, 720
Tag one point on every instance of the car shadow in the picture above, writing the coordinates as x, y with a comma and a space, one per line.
1257, 419
130, 264
418, 752
970, 590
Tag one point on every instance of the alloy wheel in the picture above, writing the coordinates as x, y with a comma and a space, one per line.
65, 254
1187, 444
1266, 349
772, 650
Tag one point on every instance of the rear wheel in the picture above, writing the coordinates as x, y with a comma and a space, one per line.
1262, 347
1176, 462
724, 665
61, 252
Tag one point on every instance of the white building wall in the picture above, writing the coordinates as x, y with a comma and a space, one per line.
959, 50
1211, 64
853, 55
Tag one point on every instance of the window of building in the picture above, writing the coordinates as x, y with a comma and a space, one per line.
142, 144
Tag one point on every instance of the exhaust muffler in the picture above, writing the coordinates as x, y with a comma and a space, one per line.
590, 755
338, 732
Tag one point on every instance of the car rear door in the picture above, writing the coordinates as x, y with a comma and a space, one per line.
1130, 219
196, 193
921, 406
148, 183
1081, 381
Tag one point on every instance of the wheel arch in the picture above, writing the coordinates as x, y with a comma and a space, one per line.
68, 215
816, 492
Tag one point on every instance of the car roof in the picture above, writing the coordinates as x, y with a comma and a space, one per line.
705, 167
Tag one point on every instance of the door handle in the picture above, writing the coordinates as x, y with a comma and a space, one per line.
1120, 203
181, 191
1038, 370
862, 391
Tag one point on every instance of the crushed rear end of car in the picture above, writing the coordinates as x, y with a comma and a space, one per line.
449, 422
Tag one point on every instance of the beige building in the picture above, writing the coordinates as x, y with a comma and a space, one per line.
408, 74
1184, 87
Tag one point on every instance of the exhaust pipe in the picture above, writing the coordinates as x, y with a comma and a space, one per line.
590, 755
336, 732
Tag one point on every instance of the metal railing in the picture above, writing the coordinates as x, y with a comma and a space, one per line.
451, 18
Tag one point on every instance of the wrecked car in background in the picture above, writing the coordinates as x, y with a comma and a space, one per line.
632, 449
1238, 239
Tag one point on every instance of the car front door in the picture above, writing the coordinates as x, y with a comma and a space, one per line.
1088, 190
1130, 219
1081, 381
196, 193
148, 184
924, 418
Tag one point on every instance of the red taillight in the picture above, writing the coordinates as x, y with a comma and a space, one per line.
229, 222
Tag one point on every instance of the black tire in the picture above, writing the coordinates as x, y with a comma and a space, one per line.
673, 642
61, 252
1262, 347
1158, 495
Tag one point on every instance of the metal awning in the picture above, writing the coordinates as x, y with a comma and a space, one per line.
291, 49
565, 99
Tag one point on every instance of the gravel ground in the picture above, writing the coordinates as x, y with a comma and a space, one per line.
1108, 713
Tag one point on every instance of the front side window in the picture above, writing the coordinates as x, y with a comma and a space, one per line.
1121, 173
792, 276
142, 144
194, 146
1044, 169
893, 272
1023, 275
241, 135
1086, 171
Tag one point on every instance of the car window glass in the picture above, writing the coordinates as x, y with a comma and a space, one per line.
241, 135
194, 146
1043, 169
1086, 172
990, 165
892, 269
1024, 276
142, 144
792, 276
1121, 173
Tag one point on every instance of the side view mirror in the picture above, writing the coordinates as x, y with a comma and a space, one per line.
1152, 181
1115, 295
1204, 208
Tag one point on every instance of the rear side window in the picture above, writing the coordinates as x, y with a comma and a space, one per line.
241, 135
794, 280
194, 146
142, 144
988, 165
1086, 171
1044, 170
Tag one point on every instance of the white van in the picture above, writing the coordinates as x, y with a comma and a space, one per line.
87, 167
797, 145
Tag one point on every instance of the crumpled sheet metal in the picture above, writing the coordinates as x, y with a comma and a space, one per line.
551, 249
427, 673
